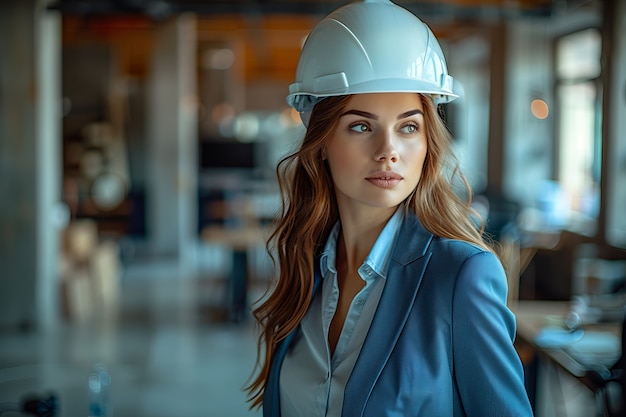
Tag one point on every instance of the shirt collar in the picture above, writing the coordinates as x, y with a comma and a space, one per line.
379, 255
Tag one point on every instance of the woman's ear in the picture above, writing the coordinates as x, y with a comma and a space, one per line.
324, 155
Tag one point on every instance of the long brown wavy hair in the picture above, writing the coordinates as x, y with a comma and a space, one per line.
441, 201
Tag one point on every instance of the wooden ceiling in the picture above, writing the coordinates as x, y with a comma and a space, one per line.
267, 33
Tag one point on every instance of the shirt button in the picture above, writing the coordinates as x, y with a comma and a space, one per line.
359, 304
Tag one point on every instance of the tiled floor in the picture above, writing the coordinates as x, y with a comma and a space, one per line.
167, 354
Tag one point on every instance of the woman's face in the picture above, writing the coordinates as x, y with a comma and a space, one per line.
377, 150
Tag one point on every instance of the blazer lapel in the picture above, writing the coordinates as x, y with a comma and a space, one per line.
406, 269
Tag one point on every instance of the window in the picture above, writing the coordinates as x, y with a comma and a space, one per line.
579, 98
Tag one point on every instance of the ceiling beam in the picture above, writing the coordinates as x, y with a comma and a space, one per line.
448, 10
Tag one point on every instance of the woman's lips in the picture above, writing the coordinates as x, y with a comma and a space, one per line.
384, 179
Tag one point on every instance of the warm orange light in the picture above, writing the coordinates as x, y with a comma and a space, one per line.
539, 109
222, 112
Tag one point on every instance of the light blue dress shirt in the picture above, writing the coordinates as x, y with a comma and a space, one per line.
312, 381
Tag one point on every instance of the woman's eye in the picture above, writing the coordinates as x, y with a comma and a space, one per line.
359, 127
409, 129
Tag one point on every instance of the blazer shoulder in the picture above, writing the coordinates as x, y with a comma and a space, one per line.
457, 249
458, 259
415, 241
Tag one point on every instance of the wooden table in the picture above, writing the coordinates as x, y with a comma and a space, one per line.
533, 316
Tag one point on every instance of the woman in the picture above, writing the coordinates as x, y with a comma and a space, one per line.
387, 301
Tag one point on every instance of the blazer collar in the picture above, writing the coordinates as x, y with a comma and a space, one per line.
406, 269
413, 241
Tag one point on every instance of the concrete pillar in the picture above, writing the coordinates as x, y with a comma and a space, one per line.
30, 163
172, 141
613, 191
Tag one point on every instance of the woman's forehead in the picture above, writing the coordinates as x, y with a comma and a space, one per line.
385, 103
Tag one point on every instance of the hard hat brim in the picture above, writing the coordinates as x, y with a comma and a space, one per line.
304, 101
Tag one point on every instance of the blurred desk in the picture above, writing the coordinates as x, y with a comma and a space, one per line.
591, 368
240, 239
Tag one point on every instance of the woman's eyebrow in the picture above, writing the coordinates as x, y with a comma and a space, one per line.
369, 115
360, 113
410, 113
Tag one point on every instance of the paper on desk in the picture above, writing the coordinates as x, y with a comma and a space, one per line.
596, 347
556, 337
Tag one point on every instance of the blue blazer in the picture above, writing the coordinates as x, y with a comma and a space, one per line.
441, 341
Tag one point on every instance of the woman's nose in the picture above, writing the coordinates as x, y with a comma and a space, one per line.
386, 151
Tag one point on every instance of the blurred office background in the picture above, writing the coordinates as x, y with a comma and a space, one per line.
138, 140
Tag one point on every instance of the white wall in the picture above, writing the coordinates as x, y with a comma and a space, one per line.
528, 142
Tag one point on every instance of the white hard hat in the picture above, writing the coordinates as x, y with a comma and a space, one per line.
370, 46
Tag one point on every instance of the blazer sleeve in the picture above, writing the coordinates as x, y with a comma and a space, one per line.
488, 371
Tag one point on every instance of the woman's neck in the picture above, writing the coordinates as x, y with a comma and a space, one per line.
359, 231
